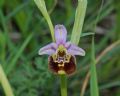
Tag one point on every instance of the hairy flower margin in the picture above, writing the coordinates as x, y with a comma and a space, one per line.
61, 53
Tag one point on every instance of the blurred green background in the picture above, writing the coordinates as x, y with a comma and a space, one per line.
23, 30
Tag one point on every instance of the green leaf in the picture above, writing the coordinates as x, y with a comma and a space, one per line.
79, 19
5, 83
42, 7
93, 73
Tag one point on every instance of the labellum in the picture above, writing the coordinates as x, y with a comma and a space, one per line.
62, 62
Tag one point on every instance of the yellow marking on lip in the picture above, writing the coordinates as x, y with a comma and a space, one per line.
61, 72
61, 65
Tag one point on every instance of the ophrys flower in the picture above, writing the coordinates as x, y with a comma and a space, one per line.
61, 53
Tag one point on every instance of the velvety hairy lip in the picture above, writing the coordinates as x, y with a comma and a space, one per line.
68, 68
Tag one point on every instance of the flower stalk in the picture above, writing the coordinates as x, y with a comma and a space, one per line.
5, 83
63, 85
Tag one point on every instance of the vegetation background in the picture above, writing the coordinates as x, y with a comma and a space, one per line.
23, 31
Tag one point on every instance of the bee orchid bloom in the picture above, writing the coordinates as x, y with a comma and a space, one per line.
61, 53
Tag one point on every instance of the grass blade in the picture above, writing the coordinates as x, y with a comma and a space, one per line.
20, 17
87, 34
16, 57
93, 78
5, 83
2, 47
79, 19
42, 7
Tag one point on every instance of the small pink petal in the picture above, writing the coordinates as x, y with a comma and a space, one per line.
75, 50
48, 49
60, 34
48, 52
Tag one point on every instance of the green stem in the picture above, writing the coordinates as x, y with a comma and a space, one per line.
63, 85
4, 81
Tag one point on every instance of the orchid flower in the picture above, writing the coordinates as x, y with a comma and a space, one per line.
61, 53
